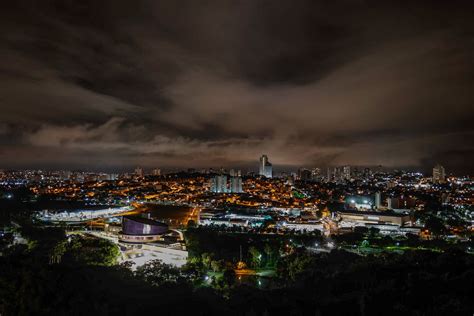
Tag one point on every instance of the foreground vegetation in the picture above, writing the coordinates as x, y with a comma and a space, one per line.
54, 275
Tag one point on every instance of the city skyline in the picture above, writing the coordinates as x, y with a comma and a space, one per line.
246, 170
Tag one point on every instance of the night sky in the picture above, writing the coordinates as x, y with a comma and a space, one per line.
115, 84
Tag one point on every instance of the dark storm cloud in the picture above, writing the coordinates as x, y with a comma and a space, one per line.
209, 83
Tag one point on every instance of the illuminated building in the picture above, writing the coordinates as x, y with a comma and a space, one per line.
231, 220
393, 203
265, 167
360, 202
346, 172
370, 217
439, 175
156, 172
228, 222
329, 176
65, 175
139, 171
316, 173
235, 173
338, 174
378, 202
140, 230
236, 185
304, 174
303, 226
219, 184
113, 176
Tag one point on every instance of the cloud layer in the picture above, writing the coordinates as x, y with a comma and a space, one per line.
114, 84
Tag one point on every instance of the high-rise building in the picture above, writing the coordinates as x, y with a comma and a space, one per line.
439, 174
139, 171
112, 176
236, 185
235, 173
65, 175
329, 175
304, 174
378, 201
338, 175
219, 184
346, 172
389, 203
393, 203
265, 167
367, 173
156, 172
316, 174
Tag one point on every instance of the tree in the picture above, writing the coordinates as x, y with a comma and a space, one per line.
217, 265
91, 251
229, 277
206, 259
373, 232
158, 273
193, 271
295, 265
268, 249
255, 257
435, 226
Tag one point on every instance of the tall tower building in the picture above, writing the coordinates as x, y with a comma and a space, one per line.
219, 184
265, 167
378, 201
439, 174
346, 172
236, 185
338, 174
329, 176
304, 174
156, 172
139, 172
316, 174
235, 173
